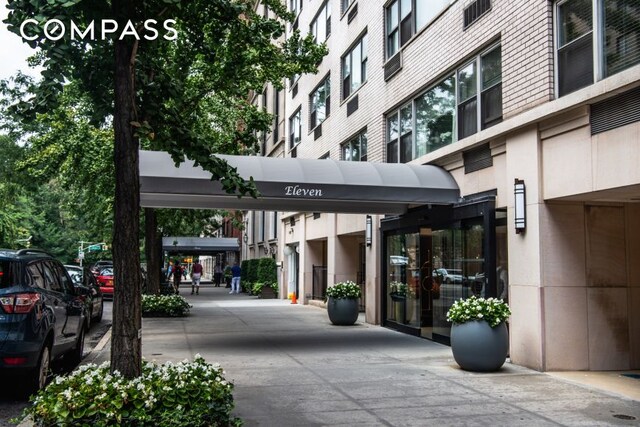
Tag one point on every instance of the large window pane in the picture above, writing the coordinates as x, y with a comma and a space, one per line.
622, 35
467, 82
467, 118
574, 20
403, 283
435, 112
575, 66
356, 78
491, 64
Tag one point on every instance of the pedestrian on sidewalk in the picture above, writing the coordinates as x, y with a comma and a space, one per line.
196, 274
217, 275
227, 276
176, 272
235, 278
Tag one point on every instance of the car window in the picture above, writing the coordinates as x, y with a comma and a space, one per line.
65, 282
106, 271
35, 276
8, 274
50, 278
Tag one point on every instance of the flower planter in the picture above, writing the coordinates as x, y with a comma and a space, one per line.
476, 346
343, 311
267, 292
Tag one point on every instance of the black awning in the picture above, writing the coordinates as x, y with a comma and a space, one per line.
199, 245
300, 185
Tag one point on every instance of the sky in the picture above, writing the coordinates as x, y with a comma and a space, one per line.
13, 52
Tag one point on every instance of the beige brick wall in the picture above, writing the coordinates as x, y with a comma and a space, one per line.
522, 26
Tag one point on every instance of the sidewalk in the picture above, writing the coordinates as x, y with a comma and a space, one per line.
291, 367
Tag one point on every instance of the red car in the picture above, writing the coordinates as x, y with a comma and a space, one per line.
105, 281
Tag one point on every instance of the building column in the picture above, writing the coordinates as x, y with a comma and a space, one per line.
525, 279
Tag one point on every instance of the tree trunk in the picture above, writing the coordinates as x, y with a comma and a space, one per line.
154, 265
126, 345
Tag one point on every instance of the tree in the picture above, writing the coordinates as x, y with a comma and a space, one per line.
160, 94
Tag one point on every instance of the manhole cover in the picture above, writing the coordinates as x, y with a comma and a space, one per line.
624, 417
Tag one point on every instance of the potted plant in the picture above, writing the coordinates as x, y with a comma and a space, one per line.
401, 295
342, 303
479, 336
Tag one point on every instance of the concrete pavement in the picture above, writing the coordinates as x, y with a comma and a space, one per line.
291, 367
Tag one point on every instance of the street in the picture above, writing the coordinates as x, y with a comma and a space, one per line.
11, 405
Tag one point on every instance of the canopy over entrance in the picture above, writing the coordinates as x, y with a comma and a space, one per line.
300, 185
199, 245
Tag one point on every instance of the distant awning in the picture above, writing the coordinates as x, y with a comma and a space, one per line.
199, 245
298, 185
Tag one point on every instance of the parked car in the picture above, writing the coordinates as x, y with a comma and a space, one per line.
99, 265
105, 281
86, 284
42, 317
450, 275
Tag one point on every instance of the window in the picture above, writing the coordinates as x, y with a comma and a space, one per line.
480, 93
355, 150
435, 117
345, 5
354, 67
262, 225
615, 31
405, 17
264, 133
276, 116
320, 101
321, 24
274, 226
456, 107
295, 128
295, 6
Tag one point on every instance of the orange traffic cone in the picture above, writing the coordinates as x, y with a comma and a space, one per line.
294, 300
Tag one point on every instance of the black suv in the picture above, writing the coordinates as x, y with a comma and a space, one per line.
42, 316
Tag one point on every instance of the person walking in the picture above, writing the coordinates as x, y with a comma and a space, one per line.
217, 275
196, 275
176, 272
235, 278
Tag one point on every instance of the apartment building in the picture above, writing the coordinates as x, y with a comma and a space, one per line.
533, 107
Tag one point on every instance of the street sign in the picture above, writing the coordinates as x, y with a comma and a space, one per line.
94, 248
81, 254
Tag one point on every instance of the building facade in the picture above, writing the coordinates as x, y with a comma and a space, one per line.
535, 97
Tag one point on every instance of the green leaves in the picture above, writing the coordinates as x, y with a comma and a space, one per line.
492, 310
193, 393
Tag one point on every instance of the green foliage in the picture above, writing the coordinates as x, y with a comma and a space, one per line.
164, 306
267, 270
344, 290
257, 287
252, 270
183, 394
492, 310
244, 269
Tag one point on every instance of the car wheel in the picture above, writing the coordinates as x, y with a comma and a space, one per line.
98, 317
40, 374
74, 357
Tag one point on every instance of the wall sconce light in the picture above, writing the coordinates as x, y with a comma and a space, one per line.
368, 231
520, 206
245, 238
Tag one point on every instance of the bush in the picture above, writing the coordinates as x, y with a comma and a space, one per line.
252, 270
244, 270
183, 394
267, 270
164, 305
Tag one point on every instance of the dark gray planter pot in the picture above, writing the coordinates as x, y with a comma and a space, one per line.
342, 311
476, 346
